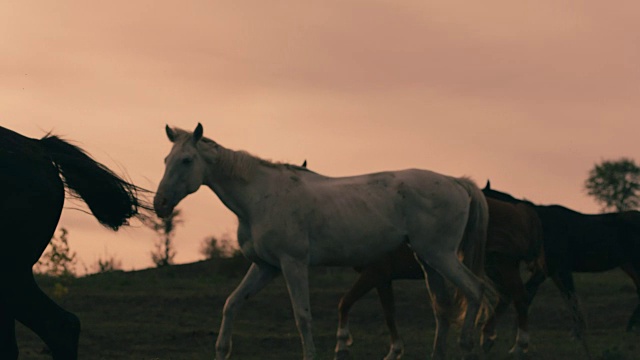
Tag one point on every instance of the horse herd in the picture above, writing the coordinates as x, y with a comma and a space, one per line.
468, 243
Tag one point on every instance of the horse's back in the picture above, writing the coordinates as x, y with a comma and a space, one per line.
379, 210
588, 242
391, 188
24, 166
631, 218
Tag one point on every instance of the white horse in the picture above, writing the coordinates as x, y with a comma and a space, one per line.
291, 218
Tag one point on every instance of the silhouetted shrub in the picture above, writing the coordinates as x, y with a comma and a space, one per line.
219, 247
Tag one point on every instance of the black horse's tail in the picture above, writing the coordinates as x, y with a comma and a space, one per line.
111, 199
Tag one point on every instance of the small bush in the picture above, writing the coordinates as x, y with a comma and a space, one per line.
58, 260
219, 247
108, 264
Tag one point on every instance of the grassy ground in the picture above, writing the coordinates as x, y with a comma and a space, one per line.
174, 313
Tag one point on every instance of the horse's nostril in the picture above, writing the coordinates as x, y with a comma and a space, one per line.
159, 203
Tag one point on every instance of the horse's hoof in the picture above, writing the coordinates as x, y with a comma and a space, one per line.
487, 345
342, 355
471, 357
350, 340
394, 355
519, 353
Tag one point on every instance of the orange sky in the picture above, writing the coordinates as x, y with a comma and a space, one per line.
530, 96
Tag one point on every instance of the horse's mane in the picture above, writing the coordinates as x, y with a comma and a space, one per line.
238, 164
503, 196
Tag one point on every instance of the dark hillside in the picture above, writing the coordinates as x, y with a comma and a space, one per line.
174, 313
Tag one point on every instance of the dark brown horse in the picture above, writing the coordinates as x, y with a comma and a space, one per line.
576, 242
32, 194
514, 236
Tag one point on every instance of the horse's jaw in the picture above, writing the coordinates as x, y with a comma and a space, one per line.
162, 206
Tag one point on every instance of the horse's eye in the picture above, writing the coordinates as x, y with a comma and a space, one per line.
187, 161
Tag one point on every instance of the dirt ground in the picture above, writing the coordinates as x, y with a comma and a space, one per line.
175, 312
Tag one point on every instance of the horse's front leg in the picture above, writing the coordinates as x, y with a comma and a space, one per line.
296, 276
385, 292
255, 280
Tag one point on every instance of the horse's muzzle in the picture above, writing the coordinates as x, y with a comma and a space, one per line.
161, 206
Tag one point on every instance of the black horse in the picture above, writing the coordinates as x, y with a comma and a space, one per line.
33, 177
576, 242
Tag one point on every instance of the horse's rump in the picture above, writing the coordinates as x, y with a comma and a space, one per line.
515, 230
25, 168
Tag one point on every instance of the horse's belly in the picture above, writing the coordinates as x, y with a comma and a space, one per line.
353, 251
597, 261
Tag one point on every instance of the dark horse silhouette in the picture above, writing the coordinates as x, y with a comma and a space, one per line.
576, 242
32, 194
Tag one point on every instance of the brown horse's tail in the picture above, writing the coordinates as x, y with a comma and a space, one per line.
112, 200
473, 247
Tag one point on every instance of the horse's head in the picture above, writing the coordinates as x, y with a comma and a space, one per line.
184, 170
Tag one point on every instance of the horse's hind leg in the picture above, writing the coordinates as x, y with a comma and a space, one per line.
564, 282
534, 282
8, 344
59, 329
369, 278
495, 269
513, 283
385, 292
442, 304
256, 278
489, 333
634, 320
21, 297
505, 273
450, 267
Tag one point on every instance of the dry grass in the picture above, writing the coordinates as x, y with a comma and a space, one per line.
174, 313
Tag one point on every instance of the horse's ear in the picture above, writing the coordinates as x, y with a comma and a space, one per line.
488, 186
197, 133
304, 164
170, 133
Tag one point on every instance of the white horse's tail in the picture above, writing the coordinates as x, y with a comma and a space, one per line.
473, 245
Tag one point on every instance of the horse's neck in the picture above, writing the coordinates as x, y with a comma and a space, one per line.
239, 194
227, 194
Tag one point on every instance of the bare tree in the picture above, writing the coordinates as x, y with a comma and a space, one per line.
165, 228
615, 184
